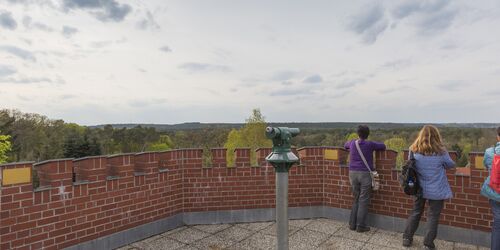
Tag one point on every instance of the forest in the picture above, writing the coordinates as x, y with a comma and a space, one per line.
35, 137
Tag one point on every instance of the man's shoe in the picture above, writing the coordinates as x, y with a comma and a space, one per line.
407, 242
360, 229
429, 248
353, 228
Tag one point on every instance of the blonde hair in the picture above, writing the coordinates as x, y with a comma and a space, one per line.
428, 142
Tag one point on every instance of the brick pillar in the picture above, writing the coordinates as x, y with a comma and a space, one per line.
242, 157
120, 165
167, 160
262, 153
219, 157
16, 194
90, 168
146, 162
55, 173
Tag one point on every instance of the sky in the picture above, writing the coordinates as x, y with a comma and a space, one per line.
158, 61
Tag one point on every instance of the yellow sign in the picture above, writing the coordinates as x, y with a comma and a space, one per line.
331, 154
479, 162
16, 176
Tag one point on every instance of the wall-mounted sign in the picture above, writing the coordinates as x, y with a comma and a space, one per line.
16, 176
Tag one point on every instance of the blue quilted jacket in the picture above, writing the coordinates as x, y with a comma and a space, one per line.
431, 171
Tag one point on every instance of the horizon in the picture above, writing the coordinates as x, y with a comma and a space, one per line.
156, 62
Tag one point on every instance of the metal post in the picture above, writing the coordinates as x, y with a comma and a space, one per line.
282, 210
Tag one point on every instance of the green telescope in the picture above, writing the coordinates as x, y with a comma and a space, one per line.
282, 158
281, 137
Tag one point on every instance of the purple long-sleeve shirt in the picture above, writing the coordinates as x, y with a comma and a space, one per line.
367, 147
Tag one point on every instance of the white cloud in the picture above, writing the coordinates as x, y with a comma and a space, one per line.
7, 21
177, 61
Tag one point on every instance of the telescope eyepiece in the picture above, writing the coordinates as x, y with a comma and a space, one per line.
269, 129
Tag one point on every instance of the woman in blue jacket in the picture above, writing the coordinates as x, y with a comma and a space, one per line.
432, 160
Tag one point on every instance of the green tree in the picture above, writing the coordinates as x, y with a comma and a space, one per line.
252, 136
397, 144
164, 143
5, 147
351, 136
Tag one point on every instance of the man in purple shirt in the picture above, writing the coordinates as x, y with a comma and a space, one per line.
360, 177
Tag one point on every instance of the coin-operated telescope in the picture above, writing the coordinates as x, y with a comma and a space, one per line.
282, 158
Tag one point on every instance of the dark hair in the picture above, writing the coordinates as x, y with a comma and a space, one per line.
363, 131
498, 131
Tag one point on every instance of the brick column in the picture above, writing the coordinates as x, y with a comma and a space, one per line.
90, 168
120, 165
55, 173
262, 153
16, 194
146, 162
219, 157
242, 157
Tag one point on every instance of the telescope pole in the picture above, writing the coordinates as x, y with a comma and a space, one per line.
282, 208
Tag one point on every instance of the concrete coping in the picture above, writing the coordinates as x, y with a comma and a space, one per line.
90, 157
52, 160
110, 178
16, 163
122, 154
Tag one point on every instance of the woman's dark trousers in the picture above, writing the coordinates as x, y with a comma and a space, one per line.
361, 184
435, 207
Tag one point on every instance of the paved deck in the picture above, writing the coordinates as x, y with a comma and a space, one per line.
304, 234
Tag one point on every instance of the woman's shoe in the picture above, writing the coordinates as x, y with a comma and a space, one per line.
407, 242
360, 229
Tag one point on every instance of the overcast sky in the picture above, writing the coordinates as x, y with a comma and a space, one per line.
157, 61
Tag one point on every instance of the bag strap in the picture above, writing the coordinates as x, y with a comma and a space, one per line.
362, 156
412, 155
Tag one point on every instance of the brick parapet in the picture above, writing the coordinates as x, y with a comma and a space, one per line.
95, 206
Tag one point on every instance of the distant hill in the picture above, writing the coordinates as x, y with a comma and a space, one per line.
302, 125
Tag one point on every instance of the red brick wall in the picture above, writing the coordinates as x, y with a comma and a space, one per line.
154, 185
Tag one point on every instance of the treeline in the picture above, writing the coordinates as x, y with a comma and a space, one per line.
34, 137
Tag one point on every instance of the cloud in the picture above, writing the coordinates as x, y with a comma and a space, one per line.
148, 22
6, 70
291, 92
67, 96
313, 79
454, 85
102, 44
141, 103
395, 89
29, 24
287, 83
349, 83
406, 9
283, 75
166, 49
104, 10
398, 64
21, 53
26, 80
430, 17
7, 21
437, 21
194, 67
68, 31
369, 23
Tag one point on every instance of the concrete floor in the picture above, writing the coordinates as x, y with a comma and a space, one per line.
304, 234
